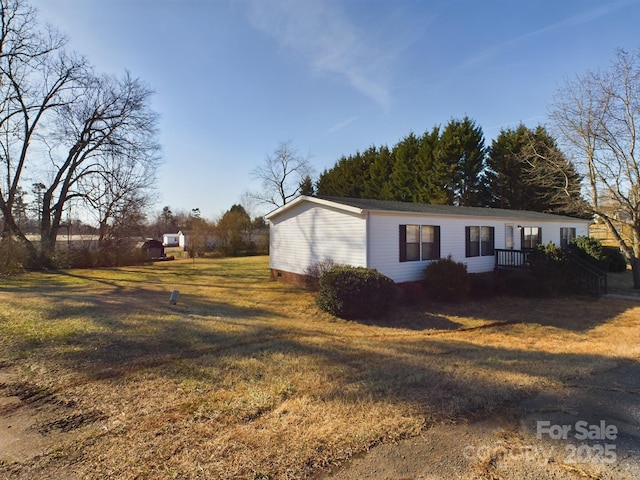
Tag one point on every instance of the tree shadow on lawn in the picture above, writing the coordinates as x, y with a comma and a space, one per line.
136, 328
432, 378
445, 379
410, 319
453, 380
165, 333
567, 313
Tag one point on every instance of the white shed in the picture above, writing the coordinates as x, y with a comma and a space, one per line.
183, 238
398, 239
170, 239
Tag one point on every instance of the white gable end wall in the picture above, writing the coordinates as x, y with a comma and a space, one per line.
310, 233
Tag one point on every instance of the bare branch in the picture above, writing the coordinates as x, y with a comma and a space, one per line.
596, 114
281, 175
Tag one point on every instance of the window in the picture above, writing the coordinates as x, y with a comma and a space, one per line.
430, 242
486, 241
479, 241
567, 234
410, 244
473, 241
419, 242
531, 237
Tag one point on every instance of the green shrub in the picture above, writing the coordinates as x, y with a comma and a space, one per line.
616, 261
447, 279
355, 292
13, 257
548, 266
590, 250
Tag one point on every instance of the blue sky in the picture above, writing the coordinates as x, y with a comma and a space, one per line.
233, 79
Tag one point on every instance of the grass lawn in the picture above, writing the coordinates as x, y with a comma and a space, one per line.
622, 284
246, 378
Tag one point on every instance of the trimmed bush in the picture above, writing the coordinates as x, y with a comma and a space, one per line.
589, 249
447, 279
548, 266
616, 261
355, 292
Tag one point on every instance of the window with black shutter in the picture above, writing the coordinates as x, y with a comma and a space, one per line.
419, 242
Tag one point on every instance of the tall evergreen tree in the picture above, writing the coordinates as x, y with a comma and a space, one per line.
380, 167
506, 163
527, 171
462, 148
433, 172
405, 166
306, 187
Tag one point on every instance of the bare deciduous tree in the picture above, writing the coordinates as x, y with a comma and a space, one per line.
87, 139
281, 175
35, 76
107, 135
597, 115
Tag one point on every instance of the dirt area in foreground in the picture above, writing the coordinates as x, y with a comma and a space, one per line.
604, 408
505, 446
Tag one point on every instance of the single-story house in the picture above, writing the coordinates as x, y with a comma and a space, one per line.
170, 239
398, 239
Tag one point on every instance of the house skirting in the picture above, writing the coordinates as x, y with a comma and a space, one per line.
297, 279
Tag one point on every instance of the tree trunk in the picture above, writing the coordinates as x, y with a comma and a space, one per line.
635, 271
48, 228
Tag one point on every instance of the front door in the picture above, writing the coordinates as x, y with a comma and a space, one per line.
509, 236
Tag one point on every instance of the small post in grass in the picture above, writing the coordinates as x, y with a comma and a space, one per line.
173, 299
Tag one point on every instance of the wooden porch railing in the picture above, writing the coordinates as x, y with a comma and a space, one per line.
512, 259
584, 276
587, 277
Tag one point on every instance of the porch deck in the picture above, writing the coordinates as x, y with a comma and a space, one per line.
586, 277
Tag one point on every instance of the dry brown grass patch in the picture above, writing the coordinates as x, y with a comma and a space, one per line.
246, 378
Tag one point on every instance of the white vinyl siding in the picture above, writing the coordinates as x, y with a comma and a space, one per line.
383, 241
309, 233
314, 230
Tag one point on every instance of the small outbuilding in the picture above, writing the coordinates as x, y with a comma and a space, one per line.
170, 239
399, 239
183, 238
152, 248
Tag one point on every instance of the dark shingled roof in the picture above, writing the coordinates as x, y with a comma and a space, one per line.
403, 207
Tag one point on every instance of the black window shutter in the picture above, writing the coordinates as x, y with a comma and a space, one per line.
467, 241
492, 239
436, 241
539, 242
403, 243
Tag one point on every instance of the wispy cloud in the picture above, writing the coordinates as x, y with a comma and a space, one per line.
343, 124
322, 35
578, 19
